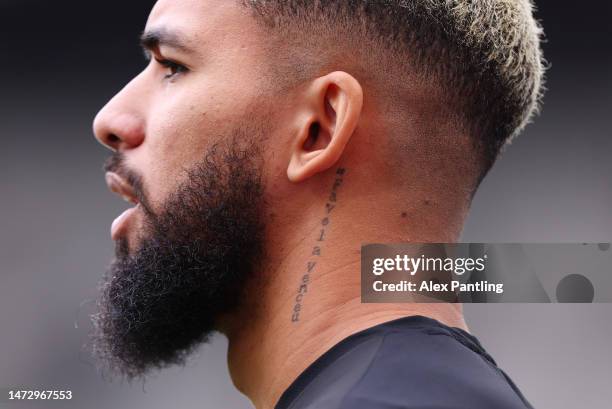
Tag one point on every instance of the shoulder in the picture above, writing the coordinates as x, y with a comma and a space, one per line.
421, 369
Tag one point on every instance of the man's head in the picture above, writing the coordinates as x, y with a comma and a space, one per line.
226, 136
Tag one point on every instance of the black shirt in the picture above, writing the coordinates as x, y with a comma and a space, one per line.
409, 363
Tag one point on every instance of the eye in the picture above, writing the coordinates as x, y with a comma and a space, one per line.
173, 68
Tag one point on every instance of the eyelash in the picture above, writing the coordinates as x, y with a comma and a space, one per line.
175, 68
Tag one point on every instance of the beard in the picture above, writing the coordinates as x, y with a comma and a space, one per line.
191, 265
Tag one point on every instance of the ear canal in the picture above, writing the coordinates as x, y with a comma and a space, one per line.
313, 136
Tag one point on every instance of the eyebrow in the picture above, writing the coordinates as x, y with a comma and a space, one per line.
152, 40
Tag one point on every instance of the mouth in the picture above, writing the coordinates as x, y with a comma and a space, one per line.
121, 187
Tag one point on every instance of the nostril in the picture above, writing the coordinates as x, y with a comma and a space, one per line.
113, 139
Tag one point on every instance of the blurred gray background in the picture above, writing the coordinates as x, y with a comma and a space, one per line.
62, 60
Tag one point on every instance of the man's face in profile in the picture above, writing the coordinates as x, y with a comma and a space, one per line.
189, 135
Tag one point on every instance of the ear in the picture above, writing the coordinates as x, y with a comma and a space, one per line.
333, 109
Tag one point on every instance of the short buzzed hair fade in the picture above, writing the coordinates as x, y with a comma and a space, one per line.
482, 56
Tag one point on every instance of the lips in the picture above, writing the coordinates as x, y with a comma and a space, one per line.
120, 186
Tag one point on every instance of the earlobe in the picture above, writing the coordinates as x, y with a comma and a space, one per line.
334, 104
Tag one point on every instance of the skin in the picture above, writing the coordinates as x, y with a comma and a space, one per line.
162, 125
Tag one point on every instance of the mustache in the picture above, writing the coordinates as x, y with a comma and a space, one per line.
116, 163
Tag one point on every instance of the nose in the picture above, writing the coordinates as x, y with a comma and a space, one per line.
120, 125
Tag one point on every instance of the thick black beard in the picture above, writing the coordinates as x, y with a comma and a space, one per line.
192, 265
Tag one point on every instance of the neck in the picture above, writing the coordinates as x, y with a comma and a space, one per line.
311, 298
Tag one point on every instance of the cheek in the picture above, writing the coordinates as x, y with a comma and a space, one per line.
182, 125
177, 139
179, 133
